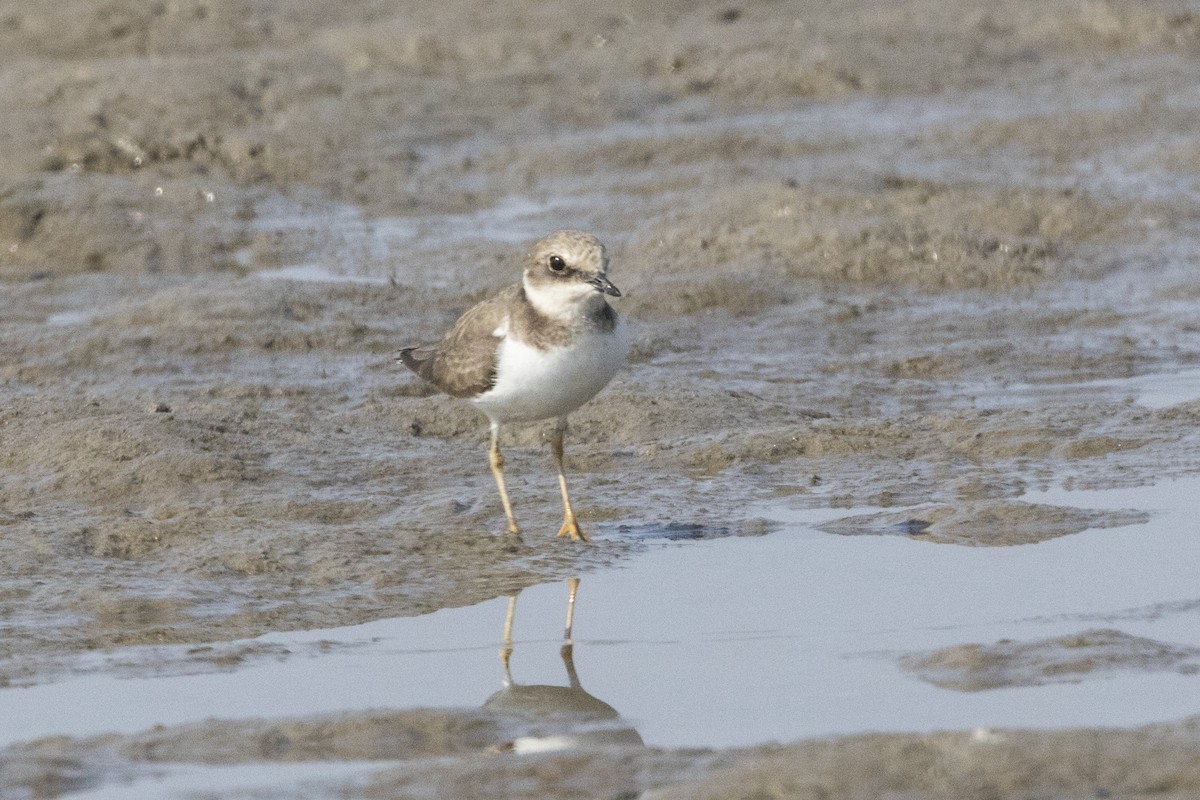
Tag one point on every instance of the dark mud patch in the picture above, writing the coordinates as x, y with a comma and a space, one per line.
685, 531
1065, 659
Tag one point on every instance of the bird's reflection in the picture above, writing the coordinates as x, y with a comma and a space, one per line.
556, 717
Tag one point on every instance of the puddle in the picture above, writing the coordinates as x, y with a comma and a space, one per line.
323, 779
1164, 391
380, 250
1156, 390
732, 641
316, 273
68, 318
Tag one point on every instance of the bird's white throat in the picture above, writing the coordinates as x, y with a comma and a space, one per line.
562, 301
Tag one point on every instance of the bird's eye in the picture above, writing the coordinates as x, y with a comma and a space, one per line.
557, 264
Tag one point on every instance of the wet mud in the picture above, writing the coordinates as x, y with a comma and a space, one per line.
985, 524
445, 753
975, 667
874, 255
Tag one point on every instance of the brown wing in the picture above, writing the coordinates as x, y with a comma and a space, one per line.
463, 363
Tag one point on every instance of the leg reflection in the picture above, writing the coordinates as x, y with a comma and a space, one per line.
559, 717
507, 648
572, 590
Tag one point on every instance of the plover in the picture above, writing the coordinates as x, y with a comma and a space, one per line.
537, 350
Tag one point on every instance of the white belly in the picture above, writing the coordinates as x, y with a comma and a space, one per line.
534, 384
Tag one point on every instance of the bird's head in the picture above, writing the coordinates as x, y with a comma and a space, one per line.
565, 271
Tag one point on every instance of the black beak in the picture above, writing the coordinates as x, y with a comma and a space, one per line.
603, 284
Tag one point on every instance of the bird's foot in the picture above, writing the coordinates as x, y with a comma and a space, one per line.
570, 528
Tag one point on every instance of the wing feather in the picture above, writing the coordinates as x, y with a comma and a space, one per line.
463, 363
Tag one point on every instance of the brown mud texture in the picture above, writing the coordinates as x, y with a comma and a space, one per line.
874, 253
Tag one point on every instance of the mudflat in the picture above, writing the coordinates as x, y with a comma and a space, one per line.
874, 254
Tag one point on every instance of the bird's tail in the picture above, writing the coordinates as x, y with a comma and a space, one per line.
410, 359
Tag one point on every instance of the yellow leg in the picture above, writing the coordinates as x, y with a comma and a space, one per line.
496, 461
570, 526
507, 648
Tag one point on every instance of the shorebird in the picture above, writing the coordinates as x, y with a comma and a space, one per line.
537, 350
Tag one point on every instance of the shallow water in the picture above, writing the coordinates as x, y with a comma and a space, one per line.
1155, 390
316, 273
731, 641
307, 779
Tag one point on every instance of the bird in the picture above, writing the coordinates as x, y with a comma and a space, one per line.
536, 350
